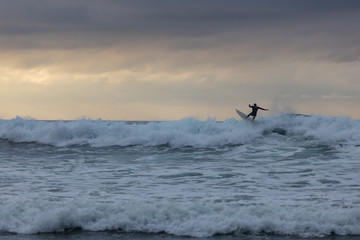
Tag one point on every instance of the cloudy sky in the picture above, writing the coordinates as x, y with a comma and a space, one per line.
170, 59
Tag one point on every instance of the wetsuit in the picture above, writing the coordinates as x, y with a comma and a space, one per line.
254, 108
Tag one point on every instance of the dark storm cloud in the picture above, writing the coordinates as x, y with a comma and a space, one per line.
26, 16
327, 26
161, 16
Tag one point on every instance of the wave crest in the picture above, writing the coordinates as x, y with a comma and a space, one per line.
191, 219
185, 132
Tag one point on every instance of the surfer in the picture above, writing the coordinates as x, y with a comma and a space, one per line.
255, 108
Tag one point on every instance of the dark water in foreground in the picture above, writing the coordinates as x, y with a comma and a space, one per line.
113, 235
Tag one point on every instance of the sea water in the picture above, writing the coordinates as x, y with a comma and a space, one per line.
284, 177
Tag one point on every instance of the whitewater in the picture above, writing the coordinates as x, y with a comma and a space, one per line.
282, 177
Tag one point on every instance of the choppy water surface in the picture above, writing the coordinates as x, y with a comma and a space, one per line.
287, 176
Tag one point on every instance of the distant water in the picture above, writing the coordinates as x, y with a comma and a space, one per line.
285, 177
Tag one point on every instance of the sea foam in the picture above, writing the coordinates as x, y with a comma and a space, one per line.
185, 132
193, 219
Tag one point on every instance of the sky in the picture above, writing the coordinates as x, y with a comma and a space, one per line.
172, 59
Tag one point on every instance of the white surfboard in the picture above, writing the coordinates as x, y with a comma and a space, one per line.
242, 115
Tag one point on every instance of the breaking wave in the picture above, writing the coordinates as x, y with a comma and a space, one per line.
185, 132
190, 219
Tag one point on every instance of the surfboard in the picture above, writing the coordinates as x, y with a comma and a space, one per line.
242, 115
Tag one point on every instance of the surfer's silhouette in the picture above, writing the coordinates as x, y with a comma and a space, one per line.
255, 108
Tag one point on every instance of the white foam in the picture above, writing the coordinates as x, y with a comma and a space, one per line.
185, 132
183, 219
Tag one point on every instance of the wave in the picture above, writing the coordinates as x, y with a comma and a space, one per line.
185, 132
180, 219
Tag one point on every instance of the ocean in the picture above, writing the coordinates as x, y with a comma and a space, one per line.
285, 177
